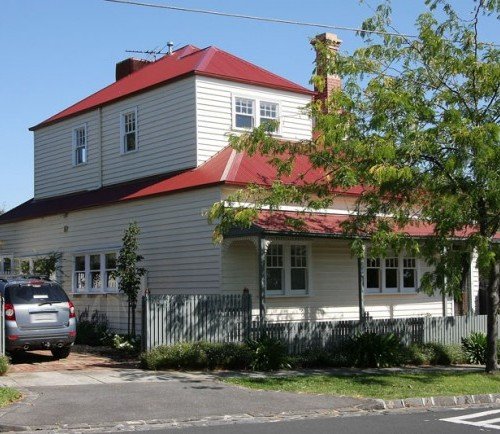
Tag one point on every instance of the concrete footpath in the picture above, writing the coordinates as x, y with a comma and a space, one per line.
110, 400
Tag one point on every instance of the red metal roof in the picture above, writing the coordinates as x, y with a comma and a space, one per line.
210, 61
226, 167
285, 222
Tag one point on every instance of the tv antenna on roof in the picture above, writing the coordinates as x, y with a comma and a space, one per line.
155, 52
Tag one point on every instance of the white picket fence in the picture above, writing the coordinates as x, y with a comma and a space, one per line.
303, 336
168, 319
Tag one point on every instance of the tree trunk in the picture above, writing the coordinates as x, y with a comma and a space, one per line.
492, 327
133, 308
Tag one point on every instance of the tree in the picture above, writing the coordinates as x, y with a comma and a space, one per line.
416, 124
129, 273
47, 265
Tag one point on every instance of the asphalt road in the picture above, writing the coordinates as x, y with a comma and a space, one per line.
425, 422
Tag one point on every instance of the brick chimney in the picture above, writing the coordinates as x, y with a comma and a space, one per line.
128, 66
332, 81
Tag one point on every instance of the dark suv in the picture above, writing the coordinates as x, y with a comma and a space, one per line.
38, 315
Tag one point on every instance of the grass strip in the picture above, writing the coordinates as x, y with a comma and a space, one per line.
384, 385
8, 395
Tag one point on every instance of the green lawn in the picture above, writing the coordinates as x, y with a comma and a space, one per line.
385, 385
8, 395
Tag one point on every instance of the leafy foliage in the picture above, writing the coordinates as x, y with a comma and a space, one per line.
475, 348
91, 331
198, 355
128, 272
48, 265
4, 365
269, 354
373, 350
434, 353
416, 125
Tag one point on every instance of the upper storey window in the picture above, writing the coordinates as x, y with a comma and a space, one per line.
250, 113
269, 114
245, 113
79, 145
129, 131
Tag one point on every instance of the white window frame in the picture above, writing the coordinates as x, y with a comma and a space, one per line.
2, 259
287, 290
384, 265
123, 115
88, 289
277, 118
256, 104
75, 145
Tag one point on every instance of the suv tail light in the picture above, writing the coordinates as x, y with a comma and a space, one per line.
72, 313
10, 313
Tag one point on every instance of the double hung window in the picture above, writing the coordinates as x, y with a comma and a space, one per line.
6, 265
129, 131
244, 113
287, 269
80, 145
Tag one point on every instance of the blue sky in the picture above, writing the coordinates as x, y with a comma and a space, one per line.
56, 52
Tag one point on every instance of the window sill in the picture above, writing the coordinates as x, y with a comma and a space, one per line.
288, 295
104, 292
76, 166
388, 294
124, 153
247, 130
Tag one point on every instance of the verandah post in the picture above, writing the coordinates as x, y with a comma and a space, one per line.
145, 344
262, 283
361, 285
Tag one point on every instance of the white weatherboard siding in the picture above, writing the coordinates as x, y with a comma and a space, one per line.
54, 170
214, 108
334, 292
166, 142
166, 123
175, 241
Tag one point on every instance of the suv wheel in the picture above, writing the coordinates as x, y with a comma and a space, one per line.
60, 353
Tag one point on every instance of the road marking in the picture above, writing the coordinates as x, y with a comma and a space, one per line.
466, 419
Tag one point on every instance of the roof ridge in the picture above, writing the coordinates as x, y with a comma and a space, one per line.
192, 53
206, 58
261, 68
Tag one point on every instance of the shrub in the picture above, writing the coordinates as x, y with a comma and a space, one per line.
179, 356
269, 354
4, 365
125, 343
227, 355
198, 355
474, 347
93, 331
319, 358
434, 354
373, 350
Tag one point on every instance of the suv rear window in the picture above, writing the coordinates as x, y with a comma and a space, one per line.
34, 294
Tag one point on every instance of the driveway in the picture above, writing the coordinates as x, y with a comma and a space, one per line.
109, 397
81, 358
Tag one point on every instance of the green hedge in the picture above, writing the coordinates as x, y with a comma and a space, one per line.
267, 354
198, 355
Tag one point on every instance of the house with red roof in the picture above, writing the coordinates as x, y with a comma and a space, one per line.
152, 147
